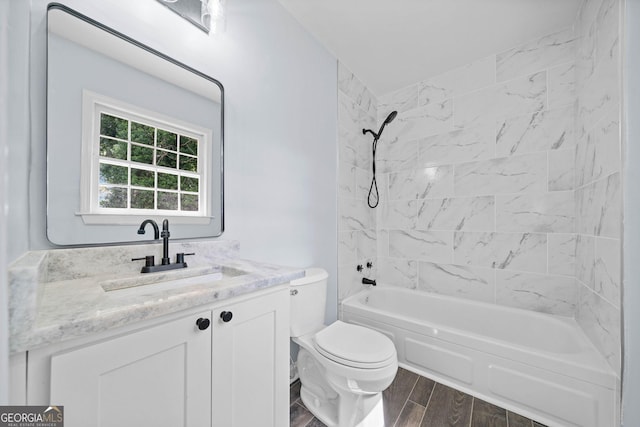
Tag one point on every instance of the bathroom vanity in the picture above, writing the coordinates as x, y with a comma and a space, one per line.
205, 350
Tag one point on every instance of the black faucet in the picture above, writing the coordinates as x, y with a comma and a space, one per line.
156, 232
166, 261
366, 281
165, 242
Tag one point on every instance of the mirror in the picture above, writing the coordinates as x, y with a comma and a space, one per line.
131, 134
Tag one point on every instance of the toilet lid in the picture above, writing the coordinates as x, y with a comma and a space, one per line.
354, 345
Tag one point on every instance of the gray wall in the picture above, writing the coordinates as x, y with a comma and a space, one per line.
4, 84
280, 141
631, 233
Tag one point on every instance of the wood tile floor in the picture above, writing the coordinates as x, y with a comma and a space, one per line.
415, 401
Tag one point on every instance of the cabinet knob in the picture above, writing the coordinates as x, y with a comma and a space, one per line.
226, 316
203, 323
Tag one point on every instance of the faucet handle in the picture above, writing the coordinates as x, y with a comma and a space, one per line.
180, 257
149, 260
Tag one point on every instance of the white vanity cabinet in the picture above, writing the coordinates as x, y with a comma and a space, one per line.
174, 372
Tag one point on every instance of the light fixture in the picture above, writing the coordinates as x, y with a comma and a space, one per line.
208, 15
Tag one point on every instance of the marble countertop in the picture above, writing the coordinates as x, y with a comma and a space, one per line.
48, 307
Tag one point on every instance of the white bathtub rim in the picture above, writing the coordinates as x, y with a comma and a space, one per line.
588, 365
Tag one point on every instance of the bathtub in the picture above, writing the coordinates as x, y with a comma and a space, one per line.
534, 364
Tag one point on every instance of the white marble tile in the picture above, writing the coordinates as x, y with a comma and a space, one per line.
400, 100
364, 150
461, 80
599, 92
363, 178
515, 97
393, 155
561, 254
399, 214
421, 122
539, 212
517, 174
536, 55
562, 171
435, 246
421, 183
352, 87
355, 148
562, 85
354, 215
383, 243
462, 145
397, 272
599, 207
508, 251
585, 259
538, 131
351, 117
607, 269
474, 283
346, 180
457, 213
349, 281
608, 24
538, 292
366, 244
347, 153
598, 155
347, 247
601, 322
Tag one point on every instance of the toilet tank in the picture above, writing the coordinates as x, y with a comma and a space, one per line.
308, 300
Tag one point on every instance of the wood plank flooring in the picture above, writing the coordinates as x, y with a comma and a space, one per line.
415, 401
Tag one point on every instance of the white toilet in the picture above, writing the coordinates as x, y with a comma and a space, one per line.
343, 367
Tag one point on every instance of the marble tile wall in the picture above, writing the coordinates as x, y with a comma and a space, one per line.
357, 109
598, 203
499, 180
477, 180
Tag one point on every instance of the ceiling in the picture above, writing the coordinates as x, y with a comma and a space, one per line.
390, 44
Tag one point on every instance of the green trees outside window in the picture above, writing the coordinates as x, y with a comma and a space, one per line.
145, 167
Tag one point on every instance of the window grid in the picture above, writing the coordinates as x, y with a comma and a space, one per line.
185, 197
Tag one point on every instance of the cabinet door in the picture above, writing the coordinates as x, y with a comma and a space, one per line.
251, 363
159, 376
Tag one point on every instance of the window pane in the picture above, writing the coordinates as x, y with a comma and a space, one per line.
188, 184
167, 140
113, 126
189, 163
167, 201
166, 159
141, 199
143, 178
114, 149
189, 202
167, 181
141, 154
112, 174
113, 197
188, 145
142, 133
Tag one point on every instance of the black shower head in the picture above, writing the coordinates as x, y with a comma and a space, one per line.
392, 115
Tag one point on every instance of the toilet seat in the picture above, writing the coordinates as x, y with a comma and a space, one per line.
355, 346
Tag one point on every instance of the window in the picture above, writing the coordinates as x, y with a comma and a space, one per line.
141, 163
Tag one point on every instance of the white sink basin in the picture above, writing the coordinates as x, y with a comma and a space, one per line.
181, 277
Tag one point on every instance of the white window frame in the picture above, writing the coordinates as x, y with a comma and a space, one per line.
93, 105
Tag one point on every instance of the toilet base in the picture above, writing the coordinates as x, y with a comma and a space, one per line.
335, 406
364, 410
